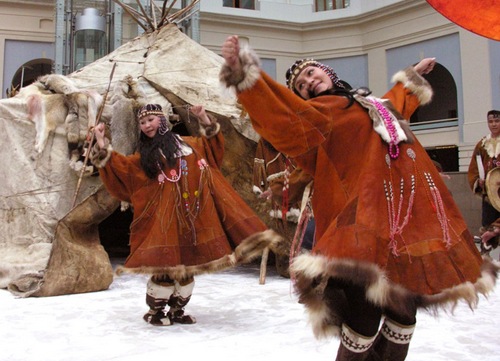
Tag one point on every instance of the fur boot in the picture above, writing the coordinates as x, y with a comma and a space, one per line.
353, 346
179, 300
393, 341
157, 296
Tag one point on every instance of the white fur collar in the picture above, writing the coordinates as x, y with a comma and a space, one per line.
491, 145
379, 124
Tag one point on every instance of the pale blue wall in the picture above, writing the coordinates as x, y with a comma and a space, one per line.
269, 66
352, 69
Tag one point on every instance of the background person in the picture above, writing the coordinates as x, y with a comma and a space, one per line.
287, 189
484, 159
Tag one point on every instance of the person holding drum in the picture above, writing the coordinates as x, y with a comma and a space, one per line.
483, 168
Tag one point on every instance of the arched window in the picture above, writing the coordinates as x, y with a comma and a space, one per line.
28, 73
439, 113
443, 109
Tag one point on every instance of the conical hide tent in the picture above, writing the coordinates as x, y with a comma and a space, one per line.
51, 199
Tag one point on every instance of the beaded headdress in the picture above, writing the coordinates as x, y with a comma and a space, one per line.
148, 109
154, 109
299, 65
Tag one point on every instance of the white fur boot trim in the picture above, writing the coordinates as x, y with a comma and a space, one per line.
159, 292
184, 291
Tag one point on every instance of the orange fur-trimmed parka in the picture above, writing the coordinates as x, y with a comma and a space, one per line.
387, 224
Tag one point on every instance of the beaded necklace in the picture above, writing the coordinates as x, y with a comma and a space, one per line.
191, 208
391, 128
175, 176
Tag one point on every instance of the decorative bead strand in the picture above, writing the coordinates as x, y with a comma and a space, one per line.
389, 200
410, 203
186, 210
392, 217
394, 228
391, 128
441, 214
285, 191
185, 191
400, 205
409, 208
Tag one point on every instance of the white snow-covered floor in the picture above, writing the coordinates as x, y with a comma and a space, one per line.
238, 320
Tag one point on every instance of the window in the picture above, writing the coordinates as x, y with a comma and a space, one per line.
240, 4
322, 5
444, 108
446, 156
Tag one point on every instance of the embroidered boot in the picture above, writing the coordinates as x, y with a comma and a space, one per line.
393, 341
157, 296
353, 346
179, 300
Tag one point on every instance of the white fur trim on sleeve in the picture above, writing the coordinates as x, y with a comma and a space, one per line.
100, 156
247, 76
415, 83
209, 131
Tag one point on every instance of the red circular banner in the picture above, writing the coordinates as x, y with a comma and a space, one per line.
479, 16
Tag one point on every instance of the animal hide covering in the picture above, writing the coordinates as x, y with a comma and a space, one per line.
50, 203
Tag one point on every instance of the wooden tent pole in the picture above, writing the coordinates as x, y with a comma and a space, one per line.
98, 118
263, 266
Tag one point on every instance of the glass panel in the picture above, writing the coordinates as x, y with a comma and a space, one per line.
247, 4
322, 5
241, 4
90, 45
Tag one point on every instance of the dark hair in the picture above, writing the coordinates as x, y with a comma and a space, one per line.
348, 93
151, 150
495, 113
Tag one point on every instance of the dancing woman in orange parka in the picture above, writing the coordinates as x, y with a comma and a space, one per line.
389, 237
188, 219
